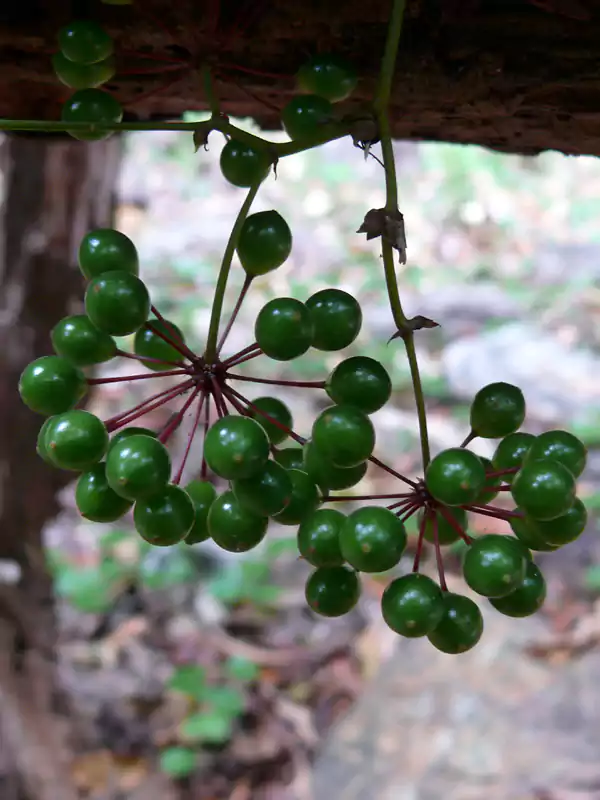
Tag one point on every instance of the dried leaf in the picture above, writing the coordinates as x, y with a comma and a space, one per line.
387, 224
414, 324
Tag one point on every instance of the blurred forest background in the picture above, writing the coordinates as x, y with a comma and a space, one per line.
206, 668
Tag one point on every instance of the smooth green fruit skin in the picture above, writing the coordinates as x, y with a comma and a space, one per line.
511, 452
305, 116
165, 518
267, 493
304, 501
560, 446
337, 319
117, 303
290, 457
527, 598
243, 165
85, 42
233, 527
83, 76
412, 605
446, 533
494, 565
149, 344
202, 493
264, 243
132, 430
80, 342
564, 529
326, 475
327, 76
94, 106
372, 539
137, 467
332, 591
76, 440
460, 628
51, 385
544, 489
360, 381
95, 500
278, 411
107, 250
344, 435
40, 447
284, 329
488, 493
455, 477
497, 410
236, 447
527, 531
318, 538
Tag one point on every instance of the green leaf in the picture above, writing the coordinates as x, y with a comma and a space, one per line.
178, 762
89, 590
225, 700
212, 727
241, 669
188, 679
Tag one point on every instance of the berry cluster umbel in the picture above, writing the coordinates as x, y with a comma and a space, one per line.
124, 466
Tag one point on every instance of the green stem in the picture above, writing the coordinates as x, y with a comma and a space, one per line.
209, 91
381, 108
217, 307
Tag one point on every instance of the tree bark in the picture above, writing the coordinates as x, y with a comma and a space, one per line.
54, 190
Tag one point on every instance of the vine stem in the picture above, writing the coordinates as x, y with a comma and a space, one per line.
217, 307
381, 108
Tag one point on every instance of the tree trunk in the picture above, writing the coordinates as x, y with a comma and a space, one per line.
54, 190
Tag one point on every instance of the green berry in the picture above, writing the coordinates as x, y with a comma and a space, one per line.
528, 533
412, 605
564, 529
83, 76
290, 458
332, 591
344, 435
107, 250
41, 447
305, 116
85, 42
137, 467
372, 539
76, 440
511, 452
543, 488
202, 494
304, 500
337, 319
560, 446
264, 243
360, 381
278, 412
94, 106
95, 499
51, 385
236, 447
497, 410
327, 76
328, 476
80, 342
117, 303
319, 538
488, 492
267, 493
125, 433
461, 626
284, 329
494, 565
244, 165
149, 344
447, 534
164, 518
527, 598
455, 477
233, 527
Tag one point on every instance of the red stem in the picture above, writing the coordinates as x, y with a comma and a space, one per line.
219, 400
247, 357
492, 511
454, 524
251, 71
409, 512
177, 342
270, 381
196, 423
241, 353
510, 471
176, 421
145, 402
204, 467
247, 282
153, 57
420, 540
158, 70
393, 472
143, 411
229, 391
349, 497
401, 503
148, 360
141, 377
469, 439
438, 554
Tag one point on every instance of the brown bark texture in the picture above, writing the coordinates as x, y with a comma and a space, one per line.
515, 75
53, 192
